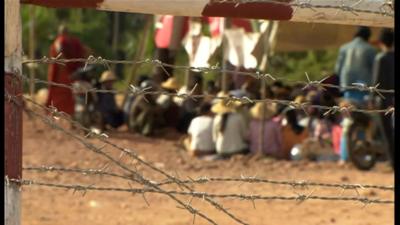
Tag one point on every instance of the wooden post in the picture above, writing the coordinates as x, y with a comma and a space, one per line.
176, 41
12, 112
32, 47
269, 37
115, 36
224, 77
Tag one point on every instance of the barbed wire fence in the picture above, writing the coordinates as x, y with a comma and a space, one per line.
385, 9
51, 116
172, 186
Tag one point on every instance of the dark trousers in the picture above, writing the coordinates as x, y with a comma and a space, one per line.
114, 119
389, 130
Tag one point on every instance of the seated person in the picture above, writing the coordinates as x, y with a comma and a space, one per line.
229, 130
272, 137
170, 109
211, 88
131, 97
84, 100
292, 132
106, 105
145, 114
200, 142
189, 106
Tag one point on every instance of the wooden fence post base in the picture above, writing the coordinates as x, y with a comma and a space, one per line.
12, 206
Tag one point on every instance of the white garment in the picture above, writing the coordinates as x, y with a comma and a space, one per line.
240, 44
181, 91
164, 101
232, 140
200, 130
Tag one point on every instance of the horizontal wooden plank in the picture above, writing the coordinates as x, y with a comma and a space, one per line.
375, 13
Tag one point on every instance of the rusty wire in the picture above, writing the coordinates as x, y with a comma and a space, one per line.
385, 9
204, 179
203, 195
257, 75
229, 99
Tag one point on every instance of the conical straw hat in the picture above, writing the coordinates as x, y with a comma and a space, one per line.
222, 107
171, 84
256, 110
107, 76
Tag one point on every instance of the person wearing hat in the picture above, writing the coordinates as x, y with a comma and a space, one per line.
354, 63
167, 104
110, 114
271, 143
229, 129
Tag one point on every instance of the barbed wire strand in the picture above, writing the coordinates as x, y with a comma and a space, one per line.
386, 9
202, 195
257, 75
204, 179
243, 100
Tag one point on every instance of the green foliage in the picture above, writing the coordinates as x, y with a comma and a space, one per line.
294, 65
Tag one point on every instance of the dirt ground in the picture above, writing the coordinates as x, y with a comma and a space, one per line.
50, 206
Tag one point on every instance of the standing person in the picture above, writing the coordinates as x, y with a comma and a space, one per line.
229, 130
200, 141
383, 74
354, 64
69, 47
272, 139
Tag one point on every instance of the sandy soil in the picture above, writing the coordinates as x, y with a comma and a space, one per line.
50, 206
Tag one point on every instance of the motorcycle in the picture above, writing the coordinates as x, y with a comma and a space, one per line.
366, 140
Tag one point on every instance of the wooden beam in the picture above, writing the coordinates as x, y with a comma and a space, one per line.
32, 47
349, 12
12, 112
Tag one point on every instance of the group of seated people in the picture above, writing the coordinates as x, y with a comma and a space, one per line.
222, 128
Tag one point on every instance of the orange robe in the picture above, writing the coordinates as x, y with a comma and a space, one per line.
290, 139
60, 97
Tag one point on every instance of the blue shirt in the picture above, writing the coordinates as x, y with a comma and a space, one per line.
354, 65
